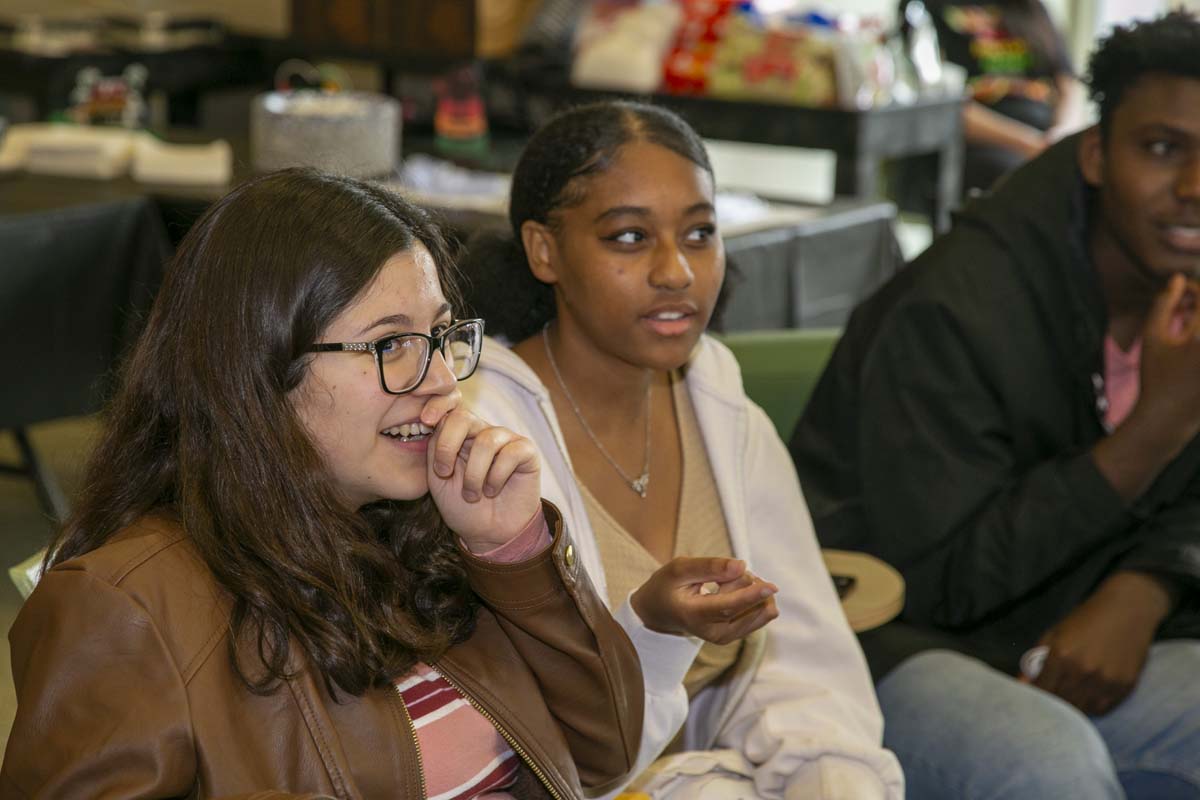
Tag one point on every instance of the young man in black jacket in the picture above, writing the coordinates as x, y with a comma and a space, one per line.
1012, 422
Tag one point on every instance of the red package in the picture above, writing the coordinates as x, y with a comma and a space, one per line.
704, 20
687, 68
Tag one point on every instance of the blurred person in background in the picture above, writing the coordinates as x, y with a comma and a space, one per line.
1022, 88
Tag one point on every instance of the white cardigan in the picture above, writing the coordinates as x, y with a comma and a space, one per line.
802, 720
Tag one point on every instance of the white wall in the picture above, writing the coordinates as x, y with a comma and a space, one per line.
1117, 11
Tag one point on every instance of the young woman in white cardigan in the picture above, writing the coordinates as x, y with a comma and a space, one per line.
686, 508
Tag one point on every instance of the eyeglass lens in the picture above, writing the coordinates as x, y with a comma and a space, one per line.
404, 357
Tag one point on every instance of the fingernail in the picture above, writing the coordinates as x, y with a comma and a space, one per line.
765, 593
470, 496
489, 491
1033, 660
441, 468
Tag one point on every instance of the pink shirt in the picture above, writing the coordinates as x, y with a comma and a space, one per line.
1121, 379
462, 754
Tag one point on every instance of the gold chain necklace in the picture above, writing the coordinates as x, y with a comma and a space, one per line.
639, 485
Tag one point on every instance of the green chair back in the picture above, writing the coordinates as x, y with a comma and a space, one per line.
780, 369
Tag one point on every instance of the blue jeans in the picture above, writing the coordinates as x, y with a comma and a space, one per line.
964, 731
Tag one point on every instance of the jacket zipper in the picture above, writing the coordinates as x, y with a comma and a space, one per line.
508, 737
412, 729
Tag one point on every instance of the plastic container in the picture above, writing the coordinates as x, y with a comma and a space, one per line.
349, 133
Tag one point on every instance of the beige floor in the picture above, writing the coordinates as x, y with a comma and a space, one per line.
25, 527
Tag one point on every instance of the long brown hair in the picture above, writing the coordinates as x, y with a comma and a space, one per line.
201, 430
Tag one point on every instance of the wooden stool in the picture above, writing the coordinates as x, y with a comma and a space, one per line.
878, 592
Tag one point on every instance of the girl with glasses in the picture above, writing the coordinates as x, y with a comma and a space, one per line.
299, 567
684, 503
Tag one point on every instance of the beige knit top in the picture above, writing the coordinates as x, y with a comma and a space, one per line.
700, 531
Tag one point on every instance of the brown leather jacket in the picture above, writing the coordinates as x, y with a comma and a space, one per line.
125, 687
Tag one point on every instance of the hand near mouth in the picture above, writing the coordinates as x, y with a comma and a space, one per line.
1166, 415
1171, 358
485, 480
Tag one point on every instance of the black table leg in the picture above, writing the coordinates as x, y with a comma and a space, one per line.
948, 187
857, 176
45, 484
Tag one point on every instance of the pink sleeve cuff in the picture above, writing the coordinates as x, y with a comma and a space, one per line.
533, 539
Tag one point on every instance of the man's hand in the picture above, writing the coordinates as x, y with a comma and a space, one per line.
1170, 368
714, 599
1167, 414
1097, 652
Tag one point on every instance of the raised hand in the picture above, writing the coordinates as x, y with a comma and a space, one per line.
1167, 414
485, 480
1170, 368
679, 598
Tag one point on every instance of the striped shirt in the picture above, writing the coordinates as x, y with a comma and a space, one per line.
463, 755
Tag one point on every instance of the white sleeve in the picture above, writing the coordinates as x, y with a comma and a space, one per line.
665, 659
810, 721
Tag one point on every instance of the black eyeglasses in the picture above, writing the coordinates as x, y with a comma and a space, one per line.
403, 358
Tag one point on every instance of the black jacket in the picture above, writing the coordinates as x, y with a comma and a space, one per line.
950, 434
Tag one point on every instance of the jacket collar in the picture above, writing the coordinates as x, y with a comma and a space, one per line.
1040, 216
497, 357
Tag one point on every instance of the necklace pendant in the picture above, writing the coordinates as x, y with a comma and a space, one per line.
639, 485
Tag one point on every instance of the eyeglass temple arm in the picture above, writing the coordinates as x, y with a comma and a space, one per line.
336, 347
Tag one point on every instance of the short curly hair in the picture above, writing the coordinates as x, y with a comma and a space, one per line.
1169, 44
